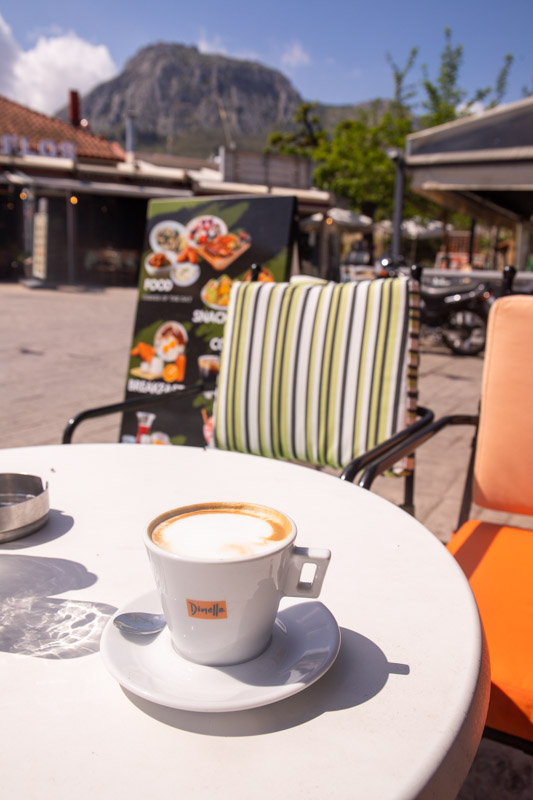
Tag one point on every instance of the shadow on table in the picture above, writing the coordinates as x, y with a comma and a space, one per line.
57, 525
359, 673
34, 623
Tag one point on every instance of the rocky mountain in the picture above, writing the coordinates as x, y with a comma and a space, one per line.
190, 103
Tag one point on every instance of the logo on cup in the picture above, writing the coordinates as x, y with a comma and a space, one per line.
207, 609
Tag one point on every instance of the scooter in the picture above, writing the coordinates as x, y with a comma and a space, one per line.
457, 313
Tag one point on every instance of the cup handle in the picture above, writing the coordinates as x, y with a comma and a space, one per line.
294, 585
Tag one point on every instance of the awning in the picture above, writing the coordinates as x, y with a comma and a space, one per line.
481, 165
308, 199
73, 186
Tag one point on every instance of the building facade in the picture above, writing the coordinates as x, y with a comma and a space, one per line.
73, 205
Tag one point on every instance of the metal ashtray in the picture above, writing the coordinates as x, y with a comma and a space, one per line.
24, 505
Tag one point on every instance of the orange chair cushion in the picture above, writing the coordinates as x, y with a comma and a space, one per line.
504, 452
498, 562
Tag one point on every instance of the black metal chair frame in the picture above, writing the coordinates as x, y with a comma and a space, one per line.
132, 404
382, 463
366, 460
349, 473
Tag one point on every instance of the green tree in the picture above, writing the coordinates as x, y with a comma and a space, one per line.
445, 100
501, 81
403, 94
355, 162
308, 135
352, 161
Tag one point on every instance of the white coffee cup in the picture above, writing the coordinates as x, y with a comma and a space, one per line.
221, 570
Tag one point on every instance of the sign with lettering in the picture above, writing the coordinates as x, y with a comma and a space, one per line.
207, 609
20, 146
194, 250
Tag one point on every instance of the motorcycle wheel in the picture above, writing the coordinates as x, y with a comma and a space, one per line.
464, 333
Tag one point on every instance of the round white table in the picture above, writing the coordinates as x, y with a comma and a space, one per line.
398, 715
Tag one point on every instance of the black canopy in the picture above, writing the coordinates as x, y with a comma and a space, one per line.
481, 165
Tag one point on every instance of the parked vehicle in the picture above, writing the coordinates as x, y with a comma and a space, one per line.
457, 313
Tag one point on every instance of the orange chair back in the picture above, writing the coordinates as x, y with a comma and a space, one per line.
503, 470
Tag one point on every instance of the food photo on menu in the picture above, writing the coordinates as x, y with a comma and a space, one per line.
214, 243
216, 291
165, 357
177, 249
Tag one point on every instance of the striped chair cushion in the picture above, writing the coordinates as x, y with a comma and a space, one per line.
317, 373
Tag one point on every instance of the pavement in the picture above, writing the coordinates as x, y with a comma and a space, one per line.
66, 349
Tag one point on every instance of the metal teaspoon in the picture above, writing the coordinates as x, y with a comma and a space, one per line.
140, 623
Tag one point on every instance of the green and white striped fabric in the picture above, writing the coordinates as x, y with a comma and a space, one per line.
317, 373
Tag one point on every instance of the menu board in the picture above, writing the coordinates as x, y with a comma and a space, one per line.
194, 250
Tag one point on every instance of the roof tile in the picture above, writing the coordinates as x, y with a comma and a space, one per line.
19, 121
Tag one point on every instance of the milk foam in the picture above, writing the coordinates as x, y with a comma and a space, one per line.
219, 535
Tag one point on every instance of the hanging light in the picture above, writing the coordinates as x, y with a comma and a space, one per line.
73, 200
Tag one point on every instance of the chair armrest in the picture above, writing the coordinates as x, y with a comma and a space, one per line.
354, 467
409, 445
133, 404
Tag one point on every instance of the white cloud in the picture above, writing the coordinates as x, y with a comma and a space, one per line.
295, 56
41, 77
210, 46
216, 45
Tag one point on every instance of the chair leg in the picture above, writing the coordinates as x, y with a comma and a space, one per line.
409, 493
466, 502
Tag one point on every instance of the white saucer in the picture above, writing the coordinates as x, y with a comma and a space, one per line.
305, 642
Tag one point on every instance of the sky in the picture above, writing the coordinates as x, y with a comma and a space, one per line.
334, 53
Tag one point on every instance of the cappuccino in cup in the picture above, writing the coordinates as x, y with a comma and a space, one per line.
221, 570
224, 531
